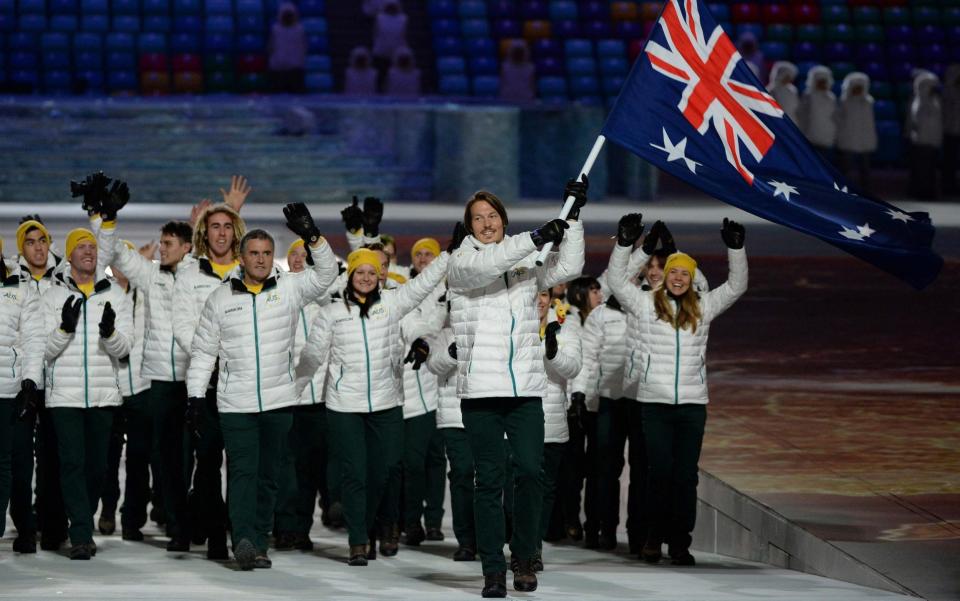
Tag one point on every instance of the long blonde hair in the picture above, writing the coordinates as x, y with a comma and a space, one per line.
688, 315
200, 247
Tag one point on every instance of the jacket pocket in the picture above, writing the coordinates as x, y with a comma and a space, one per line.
13, 364
290, 364
226, 374
703, 366
336, 385
646, 370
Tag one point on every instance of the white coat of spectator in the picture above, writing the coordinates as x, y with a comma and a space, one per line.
782, 76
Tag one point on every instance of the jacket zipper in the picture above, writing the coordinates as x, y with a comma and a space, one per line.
336, 385
173, 363
13, 368
647, 370
256, 348
290, 364
420, 390
513, 323
306, 335
366, 350
86, 378
676, 370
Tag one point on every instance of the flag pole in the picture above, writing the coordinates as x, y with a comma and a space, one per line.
587, 166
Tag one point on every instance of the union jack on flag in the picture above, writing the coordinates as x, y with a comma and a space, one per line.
691, 99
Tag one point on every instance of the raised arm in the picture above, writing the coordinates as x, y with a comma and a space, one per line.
618, 278
566, 264
568, 361
313, 283
316, 349
719, 299
407, 297
473, 267
204, 349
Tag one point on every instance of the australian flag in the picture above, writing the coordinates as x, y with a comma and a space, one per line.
693, 107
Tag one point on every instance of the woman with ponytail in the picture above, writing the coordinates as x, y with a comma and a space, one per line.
673, 324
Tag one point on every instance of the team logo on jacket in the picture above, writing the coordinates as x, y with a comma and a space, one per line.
233, 309
519, 272
273, 298
378, 312
10, 297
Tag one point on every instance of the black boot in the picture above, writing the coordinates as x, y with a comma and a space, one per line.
465, 554
525, 578
132, 534
415, 535
107, 524
25, 543
217, 546
80, 551
245, 554
494, 585
358, 555
389, 540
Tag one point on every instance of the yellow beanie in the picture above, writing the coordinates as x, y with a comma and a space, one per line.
295, 244
681, 260
22, 232
425, 244
77, 236
363, 256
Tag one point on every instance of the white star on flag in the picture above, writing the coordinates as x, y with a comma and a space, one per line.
862, 231
676, 152
843, 189
783, 189
899, 215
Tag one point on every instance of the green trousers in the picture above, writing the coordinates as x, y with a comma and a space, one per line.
303, 471
253, 442
552, 458
436, 482
83, 437
167, 406
486, 421
674, 436
461, 485
133, 421
16, 470
417, 434
367, 444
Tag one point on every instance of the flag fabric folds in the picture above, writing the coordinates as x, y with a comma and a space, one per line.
693, 107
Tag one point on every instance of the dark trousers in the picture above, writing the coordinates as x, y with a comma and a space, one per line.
461, 485
253, 443
367, 445
951, 164
417, 434
303, 472
83, 436
638, 515
923, 171
570, 480
552, 458
134, 422
210, 512
612, 431
51, 513
167, 404
16, 470
436, 483
486, 421
674, 436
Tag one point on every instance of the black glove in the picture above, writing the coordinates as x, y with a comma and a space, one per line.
70, 314
578, 407
372, 215
115, 200
93, 189
28, 401
653, 236
34, 217
452, 350
550, 339
577, 189
457, 238
191, 417
733, 234
629, 229
107, 321
419, 351
667, 242
301, 223
352, 216
551, 231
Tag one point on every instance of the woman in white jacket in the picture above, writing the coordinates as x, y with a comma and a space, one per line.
818, 110
359, 337
856, 128
782, 76
501, 379
674, 323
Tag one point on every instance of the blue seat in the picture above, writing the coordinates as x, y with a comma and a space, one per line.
613, 65
252, 23
486, 86
55, 41
597, 29
932, 52
484, 65
506, 28
474, 28
122, 81
775, 51
473, 9
584, 85
22, 40
87, 41
552, 87
8, 22
446, 27
88, 60
313, 8
187, 7
929, 33
875, 70
94, 7
720, 12
806, 51
755, 28
317, 44
187, 24
128, 23
315, 25
549, 65
97, 23
215, 41
899, 33
217, 7
506, 9
125, 7
318, 62
612, 85
34, 23
319, 83
23, 60
25, 78
252, 7
454, 85
870, 52
566, 29
156, 7
63, 7
57, 82
578, 48
118, 60
34, 7
251, 43
91, 80
581, 66
884, 110
901, 52
563, 10
889, 148
442, 9
611, 48
447, 45
219, 24
451, 65
594, 10
156, 23
8, 7
480, 47
547, 47
119, 41
56, 59
185, 43
534, 10
153, 43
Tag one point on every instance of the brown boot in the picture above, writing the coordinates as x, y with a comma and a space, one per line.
389, 540
358, 555
525, 578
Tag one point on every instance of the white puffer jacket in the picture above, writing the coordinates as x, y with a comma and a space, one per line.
312, 389
420, 394
364, 356
194, 283
131, 376
445, 368
163, 359
21, 329
253, 335
43, 284
82, 368
494, 311
604, 344
563, 368
673, 361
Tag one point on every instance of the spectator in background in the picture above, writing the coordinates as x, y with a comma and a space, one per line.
781, 87
856, 128
389, 34
750, 51
517, 77
288, 51
818, 109
951, 129
924, 128
361, 77
404, 76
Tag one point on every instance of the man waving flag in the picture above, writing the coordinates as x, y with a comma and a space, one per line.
693, 107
